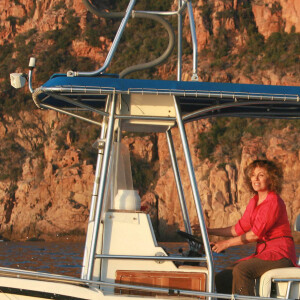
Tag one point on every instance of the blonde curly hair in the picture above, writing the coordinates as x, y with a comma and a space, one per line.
274, 171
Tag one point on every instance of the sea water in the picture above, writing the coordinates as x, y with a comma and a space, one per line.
65, 257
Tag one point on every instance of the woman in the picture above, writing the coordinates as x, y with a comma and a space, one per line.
265, 221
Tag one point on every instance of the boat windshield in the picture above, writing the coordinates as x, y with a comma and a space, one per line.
119, 184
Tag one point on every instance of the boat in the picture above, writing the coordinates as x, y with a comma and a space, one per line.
122, 257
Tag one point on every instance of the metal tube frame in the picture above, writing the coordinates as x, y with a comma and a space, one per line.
114, 46
179, 43
76, 281
188, 117
96, 182
119, 137
99, 164
185, 215
196, 196
235, 96
288, 290
30, 73
77, 103
289, 282
194, 40
70, 114
102, 182
182, 6
156, 258
135, 117
197, 113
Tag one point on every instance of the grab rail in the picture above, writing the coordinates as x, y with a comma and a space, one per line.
194, 40
289, 281
158, 258
72, 280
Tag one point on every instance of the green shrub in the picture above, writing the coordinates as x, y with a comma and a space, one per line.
12, 156
24, 46
224, 140
144, 174
283, 49
225, 14
13, 21
276, 7
32, 10
206, 14
59, 5
225, 135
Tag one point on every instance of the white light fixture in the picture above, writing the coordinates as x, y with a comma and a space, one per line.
18, 80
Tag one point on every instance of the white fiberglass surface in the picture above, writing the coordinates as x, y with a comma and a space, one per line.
121, 194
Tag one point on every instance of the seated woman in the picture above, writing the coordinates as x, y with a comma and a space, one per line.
265, 221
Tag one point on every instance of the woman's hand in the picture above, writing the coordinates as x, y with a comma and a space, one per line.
220, 246
248, 237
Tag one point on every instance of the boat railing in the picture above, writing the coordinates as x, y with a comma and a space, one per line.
158, 290
289, 281
156, 258
84, 90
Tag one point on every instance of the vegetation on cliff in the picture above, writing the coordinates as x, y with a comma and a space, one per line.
223, 142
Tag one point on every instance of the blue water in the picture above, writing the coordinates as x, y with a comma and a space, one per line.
65, 258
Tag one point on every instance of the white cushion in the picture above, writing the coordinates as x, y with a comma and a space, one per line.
281, 287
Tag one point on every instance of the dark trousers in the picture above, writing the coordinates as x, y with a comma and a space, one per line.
240, 277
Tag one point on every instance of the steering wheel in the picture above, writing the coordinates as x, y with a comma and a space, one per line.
190, 237
194, 241
196, 246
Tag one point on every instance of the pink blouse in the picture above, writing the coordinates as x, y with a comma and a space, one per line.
269, 222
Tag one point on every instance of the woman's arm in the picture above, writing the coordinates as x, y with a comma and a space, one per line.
248, 237
227, 231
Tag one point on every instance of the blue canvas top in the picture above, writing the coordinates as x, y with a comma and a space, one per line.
196, 99
124, 85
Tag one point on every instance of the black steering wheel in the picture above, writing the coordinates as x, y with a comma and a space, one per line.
196, 246
190, 237
194, 241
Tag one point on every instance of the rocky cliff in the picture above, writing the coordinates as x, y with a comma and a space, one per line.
51, 196
47, 171
221, 185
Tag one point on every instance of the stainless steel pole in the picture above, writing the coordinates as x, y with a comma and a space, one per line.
102, 182
196, 196
194, 40
95, 189
179, 45
185, 215
114, 45
99, 163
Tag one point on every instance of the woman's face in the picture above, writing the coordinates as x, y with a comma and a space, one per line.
260, 180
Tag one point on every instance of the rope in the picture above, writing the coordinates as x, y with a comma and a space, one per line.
35, 97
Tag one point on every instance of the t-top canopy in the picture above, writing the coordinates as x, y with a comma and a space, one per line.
196, 99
